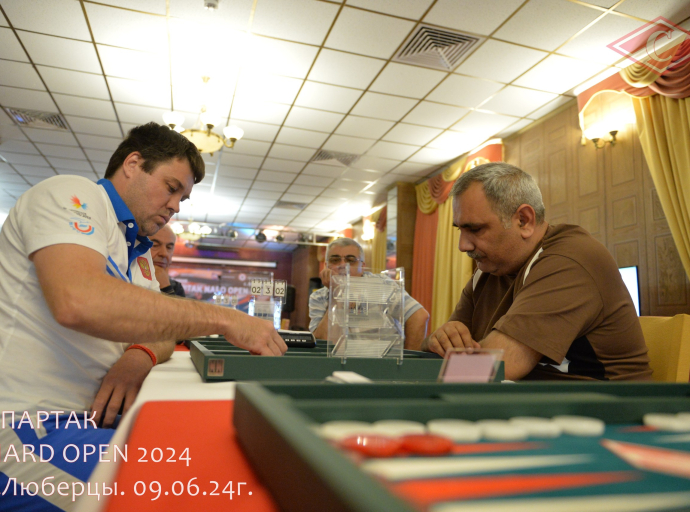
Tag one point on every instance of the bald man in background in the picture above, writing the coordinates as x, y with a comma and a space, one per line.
162, 253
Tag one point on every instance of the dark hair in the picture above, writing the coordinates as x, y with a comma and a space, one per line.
156, 144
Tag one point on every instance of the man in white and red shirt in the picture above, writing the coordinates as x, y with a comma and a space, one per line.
75, 334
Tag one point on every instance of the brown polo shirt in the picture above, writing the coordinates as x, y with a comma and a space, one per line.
569, 303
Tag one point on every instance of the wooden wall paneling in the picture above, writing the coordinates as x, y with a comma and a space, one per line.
625, 224
532, 159
668, 289
557, 170
589, 186
407, 217
511, 151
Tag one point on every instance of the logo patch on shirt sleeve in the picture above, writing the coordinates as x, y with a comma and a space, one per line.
80, 226
144, 266
76, 203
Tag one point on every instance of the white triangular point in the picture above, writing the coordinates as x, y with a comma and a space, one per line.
661, 460
428, 467
612, 503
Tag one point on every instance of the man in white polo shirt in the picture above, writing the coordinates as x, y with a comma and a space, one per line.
75, 335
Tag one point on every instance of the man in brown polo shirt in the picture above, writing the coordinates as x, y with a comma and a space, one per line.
550, 296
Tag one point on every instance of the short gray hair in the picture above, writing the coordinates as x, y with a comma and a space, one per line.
506, 187
345, 242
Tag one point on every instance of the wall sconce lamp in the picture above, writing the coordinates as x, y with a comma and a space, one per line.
611, 140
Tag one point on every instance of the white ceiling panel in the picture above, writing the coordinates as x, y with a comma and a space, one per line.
328, 171
345, 69
277, 164
85, 107
264, 194
464, 91
282, 57
551, 106
34, 170
305, 189
432, 156
253, 87
364, 127
291, 152
434, 114
61, 53
518, 101
271, 186
411, 134
484, 123
3, 20
411, 9
235, 159
74, 83
94, 126
98, 155
474, 16
61, 151
278, 177
319, 120
392, 150
33, 180
227, 181
16, 146
297, 198
230, 192
412, 168
256, 131
18, 158
128, 29
298, 137
56, 17
503, 62
19, 74
347, 144
260, 112
559, 74
519, 125
404, 80
454, 143
69, 164
368, 33
304, 21
134, 64
10, 47
329, 200
50, 136
674, 10
592, 43
96, 142
25, 98
316, 181
382, 106
551, 23
156, 94
327, 97
361, 175
234, 171
138, 114
372, 163
151, 6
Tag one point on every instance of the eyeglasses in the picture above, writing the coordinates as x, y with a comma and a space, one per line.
335, 260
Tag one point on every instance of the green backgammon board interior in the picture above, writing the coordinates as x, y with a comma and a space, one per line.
217, 360
273, 427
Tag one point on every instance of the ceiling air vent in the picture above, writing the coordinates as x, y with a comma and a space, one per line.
291, 205
36, 118
436, 48
346, 159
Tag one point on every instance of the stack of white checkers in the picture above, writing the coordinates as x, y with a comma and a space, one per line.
519, 428
679, 422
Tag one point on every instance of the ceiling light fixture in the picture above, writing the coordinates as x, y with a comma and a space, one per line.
260, 237
280, 238
201, 133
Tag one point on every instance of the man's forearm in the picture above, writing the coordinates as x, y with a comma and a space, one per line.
161, 349
321, 331
117, 311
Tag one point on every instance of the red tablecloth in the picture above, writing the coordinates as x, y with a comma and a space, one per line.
206, 429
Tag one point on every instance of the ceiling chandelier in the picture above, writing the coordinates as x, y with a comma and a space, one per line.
201, 133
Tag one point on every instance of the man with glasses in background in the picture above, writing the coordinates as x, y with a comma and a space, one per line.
339, 253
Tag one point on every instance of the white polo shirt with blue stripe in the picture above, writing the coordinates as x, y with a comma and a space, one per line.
44, 366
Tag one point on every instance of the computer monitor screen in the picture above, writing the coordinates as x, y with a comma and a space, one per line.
629, 275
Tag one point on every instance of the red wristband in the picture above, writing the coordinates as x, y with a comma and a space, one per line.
147, 350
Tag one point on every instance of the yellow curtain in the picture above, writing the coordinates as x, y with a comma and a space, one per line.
378, 246
425, 202
639, 75
664, 127
452, 268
